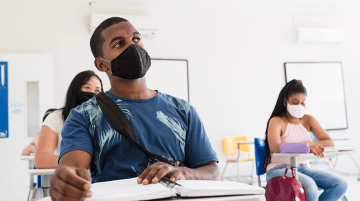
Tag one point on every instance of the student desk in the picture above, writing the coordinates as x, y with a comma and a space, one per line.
46, 175
223, 198
30, 159
296, 157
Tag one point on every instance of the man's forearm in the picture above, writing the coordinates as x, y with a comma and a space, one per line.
208, 171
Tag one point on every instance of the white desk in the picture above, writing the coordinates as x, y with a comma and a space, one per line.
225, 198
296, 157
245, 142
240, 197
30, 159
44, 190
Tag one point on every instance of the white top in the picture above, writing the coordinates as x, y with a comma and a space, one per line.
293, 133
55, 122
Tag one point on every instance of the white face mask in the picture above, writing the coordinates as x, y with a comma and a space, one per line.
297, 111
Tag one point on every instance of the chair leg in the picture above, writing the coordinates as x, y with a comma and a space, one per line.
259, 181
31, 186
222, 175
237, 171
28, 197
44, 192
35, 195
252, 172
344, 198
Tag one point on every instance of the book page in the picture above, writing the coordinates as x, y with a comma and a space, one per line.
330, 149
198, 188
128, 189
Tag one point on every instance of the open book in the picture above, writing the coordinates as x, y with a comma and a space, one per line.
129, 189
330, 149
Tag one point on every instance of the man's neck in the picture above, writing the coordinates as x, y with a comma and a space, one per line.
134, 89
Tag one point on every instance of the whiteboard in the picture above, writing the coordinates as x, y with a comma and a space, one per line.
325, 91
169, 76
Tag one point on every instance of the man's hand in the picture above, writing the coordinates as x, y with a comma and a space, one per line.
70, 184
317, 149
158, 170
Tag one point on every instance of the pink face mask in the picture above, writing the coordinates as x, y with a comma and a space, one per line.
297, 111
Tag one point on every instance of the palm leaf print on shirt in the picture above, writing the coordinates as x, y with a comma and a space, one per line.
176, 127
105, 133
182, 105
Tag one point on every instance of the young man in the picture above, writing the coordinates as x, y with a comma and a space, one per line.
163, 124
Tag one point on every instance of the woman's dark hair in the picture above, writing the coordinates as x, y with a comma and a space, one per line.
73, 93
292, 87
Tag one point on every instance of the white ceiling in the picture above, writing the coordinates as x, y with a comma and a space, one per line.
289, 6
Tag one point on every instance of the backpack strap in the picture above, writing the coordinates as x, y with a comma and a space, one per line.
121, 124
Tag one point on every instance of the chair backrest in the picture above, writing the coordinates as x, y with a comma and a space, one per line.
313, 138
259, 145
230, 144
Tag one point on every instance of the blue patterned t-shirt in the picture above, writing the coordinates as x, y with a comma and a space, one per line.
164, 125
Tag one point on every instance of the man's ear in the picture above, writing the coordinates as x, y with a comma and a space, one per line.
100, 65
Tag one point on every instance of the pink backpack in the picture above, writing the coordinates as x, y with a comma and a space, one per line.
284, 188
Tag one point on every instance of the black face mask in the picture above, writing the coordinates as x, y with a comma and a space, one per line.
84, 96
132, 63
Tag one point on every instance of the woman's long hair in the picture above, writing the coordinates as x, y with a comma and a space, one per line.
292, 87
73, 93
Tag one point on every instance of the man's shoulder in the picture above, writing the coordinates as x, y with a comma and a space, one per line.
88, 107
178, 103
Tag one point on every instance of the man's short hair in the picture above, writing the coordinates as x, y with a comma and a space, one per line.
97, 39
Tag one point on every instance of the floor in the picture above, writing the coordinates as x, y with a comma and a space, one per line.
353, 192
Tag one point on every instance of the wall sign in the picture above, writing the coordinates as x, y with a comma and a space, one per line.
4, 106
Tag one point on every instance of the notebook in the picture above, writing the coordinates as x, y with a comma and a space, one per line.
129, 189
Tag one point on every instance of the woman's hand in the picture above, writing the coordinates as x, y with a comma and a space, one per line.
28, 150
316, 149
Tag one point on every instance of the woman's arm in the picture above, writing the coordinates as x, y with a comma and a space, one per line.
320, 134
31, 148
44, 156
274, 133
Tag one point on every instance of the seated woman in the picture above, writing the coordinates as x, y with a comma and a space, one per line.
289, 124
83, 87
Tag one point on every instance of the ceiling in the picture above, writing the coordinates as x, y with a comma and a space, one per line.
301, 7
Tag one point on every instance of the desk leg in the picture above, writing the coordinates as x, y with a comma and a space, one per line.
31, 186
31, 164
294, 163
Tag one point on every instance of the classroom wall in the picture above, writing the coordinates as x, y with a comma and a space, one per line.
235, 58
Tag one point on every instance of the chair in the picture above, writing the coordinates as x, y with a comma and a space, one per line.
259, 145
260, 160
230, 147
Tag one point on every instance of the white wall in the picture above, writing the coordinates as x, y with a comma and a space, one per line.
235, 57
22, 68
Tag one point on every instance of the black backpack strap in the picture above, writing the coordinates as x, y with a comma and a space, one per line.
121, 124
